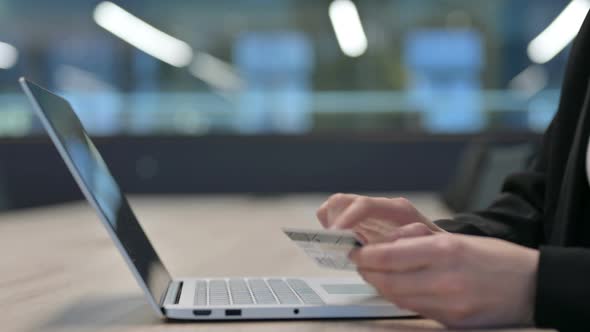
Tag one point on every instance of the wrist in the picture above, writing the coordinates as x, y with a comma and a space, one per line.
530, 285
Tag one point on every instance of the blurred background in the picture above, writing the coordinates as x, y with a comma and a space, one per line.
279, 96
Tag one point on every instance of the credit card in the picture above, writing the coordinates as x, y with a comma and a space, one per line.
329, 249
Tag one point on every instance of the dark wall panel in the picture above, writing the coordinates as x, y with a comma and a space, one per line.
31, 172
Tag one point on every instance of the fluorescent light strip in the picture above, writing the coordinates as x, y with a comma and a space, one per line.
8, 56
348, 28
559, 33
142, 35
215, 72
530, 81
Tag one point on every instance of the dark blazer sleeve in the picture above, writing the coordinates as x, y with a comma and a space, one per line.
528, 199
515, 216
563, 275
563, 288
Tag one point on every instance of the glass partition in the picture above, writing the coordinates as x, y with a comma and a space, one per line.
289, 67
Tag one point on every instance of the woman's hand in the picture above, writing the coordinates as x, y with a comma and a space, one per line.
375, 219
460, 281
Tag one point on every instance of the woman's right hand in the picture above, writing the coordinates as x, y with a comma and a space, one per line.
375, 219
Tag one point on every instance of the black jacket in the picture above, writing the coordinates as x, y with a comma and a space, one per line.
548, 205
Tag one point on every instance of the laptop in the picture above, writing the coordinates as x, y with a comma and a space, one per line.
197, 298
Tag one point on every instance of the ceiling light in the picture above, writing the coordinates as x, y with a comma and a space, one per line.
8, 56
215, 72
559, 33
142, 35
348, 28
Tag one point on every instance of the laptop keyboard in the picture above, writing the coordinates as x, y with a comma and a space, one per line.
221, 292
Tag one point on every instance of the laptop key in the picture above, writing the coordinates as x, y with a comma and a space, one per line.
218, 293
201, 293
283, 292
306, 293
239, 292
261, 291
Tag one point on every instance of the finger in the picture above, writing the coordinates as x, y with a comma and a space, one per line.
336, 202
399, 256
377, 226
402, 284
379, 208
408, 231
370, 233
322, 214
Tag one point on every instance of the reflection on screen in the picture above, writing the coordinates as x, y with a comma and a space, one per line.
103, 190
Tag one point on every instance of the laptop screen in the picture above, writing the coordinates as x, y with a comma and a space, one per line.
100, 188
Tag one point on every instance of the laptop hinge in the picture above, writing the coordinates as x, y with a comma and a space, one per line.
173, 293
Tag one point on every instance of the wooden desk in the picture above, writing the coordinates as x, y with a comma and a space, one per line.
59, 270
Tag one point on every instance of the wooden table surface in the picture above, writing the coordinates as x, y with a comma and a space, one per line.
59, 271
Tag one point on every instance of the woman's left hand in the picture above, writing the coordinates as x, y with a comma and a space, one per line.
458, 280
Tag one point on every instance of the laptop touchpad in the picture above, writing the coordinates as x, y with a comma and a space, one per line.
349, 289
